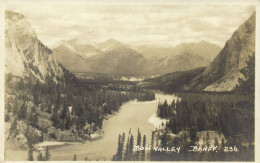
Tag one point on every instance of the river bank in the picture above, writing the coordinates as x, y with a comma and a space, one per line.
132, 115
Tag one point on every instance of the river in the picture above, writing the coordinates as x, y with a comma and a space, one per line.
132, 115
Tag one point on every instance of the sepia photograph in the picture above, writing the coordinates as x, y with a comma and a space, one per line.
95, 81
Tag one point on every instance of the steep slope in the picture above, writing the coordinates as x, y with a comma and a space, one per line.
231, 70
70, 58
25, 55
187, 56
120, 60
204, 49
224, 72
181, 62
81, 47
73, 54
32, 78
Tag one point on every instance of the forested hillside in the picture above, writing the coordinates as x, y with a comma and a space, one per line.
173, 82
214, 119
44, 101
224, 122
194, 102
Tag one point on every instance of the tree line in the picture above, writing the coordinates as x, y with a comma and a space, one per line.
230, 114
126, 148
40, 157
71, 105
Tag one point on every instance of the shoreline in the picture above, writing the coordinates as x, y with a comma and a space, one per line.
95, 137
154, 119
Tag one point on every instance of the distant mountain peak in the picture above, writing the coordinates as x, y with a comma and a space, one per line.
81, 40
123, 50
13, 15
109, 44
156, 58
111, 40
203, 41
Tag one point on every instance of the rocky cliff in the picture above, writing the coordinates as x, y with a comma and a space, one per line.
225, 70
29, 64
25, 55
232, 68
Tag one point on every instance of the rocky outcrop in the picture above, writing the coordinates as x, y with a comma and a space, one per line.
25, 55
225, 70
29, 62
17, 138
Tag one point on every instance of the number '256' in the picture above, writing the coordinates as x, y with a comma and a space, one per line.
231, 149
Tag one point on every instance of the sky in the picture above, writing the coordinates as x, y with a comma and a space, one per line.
167, 25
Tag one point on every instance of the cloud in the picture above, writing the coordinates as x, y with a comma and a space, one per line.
132, 24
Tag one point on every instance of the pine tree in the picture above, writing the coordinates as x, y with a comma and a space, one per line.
193, 135
49, 109
152, 146
22, 112
152, 140
30, 153
173, 124
47, 154
57, 103
139, 140
68, 122
40, 157
131, 147
13, 125
65, 117
164, 139
126, 156
122, 145
173, 104
207, 139
144, 145
33, 118
216, 143
36, 93
55, 119
75, 157
119, 154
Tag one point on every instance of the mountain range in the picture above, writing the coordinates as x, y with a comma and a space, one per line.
233, 66
27, 57
78, 55
40, 101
